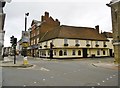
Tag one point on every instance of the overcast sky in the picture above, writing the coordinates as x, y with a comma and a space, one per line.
86, 13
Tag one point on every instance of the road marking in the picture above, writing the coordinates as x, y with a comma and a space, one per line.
44, 69
103, 81
35, 82
114, 75
107, 78
110, 76
98, 83
43, 79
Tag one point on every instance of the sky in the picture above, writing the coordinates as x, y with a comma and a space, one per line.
85, 13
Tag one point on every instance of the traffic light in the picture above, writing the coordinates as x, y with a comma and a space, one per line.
15, 41
11, 40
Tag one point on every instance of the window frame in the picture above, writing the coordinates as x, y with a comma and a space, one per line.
79, 52
65, 41
65, 52
73, 52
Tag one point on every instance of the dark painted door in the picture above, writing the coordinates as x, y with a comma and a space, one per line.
110, 51
84, 52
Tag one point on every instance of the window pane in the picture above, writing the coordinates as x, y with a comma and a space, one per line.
96, 42
73, 52
87, 42
79, 52
77, 41
65, 52
103, 52
98, 52
65, 41
60, 53
55, 52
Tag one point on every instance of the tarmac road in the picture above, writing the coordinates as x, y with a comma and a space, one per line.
61, 73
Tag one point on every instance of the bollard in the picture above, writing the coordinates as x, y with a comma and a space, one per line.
25, 61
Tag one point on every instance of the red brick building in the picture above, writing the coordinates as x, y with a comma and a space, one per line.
39, 30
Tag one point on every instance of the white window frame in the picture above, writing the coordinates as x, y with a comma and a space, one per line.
87, 42
96, 42
65, 41
77, 41
65, 52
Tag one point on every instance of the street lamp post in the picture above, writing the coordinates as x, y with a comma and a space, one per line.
26, 14
25, 43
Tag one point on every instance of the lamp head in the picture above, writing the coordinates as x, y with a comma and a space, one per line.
108, 5
27, 14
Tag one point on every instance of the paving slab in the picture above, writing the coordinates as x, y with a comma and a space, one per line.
107, 65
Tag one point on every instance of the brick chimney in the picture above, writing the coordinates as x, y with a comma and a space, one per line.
46, 14
97, 28
42, 18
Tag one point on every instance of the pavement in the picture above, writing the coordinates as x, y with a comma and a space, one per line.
8, 62
109, 65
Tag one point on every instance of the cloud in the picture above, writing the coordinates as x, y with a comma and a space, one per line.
75, 12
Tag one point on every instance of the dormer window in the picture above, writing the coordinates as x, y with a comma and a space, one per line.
77, 42
104, 44
46, 44
96, 42
65, 42
87, 43
40, 45
97, 45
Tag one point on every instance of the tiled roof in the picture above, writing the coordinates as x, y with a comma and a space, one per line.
108, 34
72, 32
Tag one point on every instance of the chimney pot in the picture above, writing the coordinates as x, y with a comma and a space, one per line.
97, 28
46, 14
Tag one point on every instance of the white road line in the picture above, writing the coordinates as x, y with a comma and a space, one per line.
103, 81
114, 75
98, 83
107, 78
35, 82
43, 79
44, 69
110, 76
